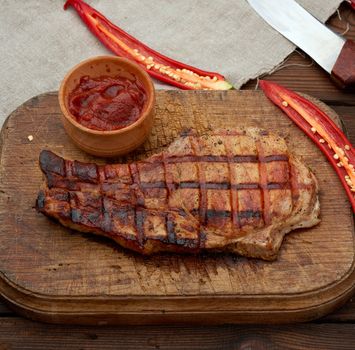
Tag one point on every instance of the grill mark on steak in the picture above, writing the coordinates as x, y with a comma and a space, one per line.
169, 224
247, 186
276, 186
138, 216
211, 214
263, 189
170, 228
250, 214
189, 184
273, 158
139, 223
148, 185
40, 201
216, 185
202, 190
290, 183
295, 186
233, 194
85, 172
106, 223
246, 214
241, 159
244, 186
223, 159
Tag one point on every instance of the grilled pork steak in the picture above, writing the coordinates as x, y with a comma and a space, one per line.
235, 190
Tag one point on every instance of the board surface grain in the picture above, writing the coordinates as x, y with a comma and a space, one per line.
54, 274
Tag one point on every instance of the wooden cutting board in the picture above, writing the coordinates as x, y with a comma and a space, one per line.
53, 274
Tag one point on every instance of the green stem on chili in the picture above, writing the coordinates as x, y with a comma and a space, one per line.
156, 64
321, 129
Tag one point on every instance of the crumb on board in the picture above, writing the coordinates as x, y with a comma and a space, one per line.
30, 137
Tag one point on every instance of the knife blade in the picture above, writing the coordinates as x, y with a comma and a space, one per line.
331, 51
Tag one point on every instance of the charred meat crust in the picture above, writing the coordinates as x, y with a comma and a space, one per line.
233, 190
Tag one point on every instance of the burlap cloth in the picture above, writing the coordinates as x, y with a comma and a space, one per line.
40, 41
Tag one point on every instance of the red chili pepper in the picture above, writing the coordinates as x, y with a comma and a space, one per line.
157, 65
321, 129
352, 3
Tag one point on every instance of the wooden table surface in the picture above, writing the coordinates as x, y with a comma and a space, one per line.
335, 331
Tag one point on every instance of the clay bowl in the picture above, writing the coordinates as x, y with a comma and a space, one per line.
115, 142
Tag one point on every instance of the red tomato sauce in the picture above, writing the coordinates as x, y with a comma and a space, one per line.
107, 103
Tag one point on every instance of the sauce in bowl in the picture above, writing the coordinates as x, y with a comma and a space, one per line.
107, 103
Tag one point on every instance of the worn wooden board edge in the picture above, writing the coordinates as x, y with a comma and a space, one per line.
146, 310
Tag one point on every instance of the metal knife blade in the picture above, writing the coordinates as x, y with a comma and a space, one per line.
304, 30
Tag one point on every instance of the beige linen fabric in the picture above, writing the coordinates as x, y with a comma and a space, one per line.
40, 41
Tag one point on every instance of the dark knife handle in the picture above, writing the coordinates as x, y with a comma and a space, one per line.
343, 71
